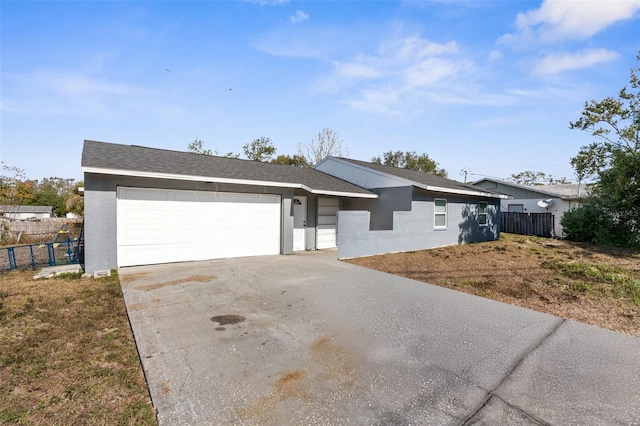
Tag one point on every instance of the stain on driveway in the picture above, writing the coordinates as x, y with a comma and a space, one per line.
306, 339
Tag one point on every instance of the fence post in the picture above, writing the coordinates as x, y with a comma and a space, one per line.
69, 251
52, 254
33, 257
12, 258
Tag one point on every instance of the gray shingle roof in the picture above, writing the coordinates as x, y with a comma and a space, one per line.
424, 179
119, 159
562, 190
566, 190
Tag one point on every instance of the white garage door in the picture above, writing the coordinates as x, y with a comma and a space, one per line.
161, 226
327, 222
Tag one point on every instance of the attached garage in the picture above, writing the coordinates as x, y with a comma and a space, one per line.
147, 206
162, 225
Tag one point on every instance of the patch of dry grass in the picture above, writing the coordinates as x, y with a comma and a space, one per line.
67, 353
587, 283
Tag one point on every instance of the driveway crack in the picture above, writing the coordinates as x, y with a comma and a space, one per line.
502, 345
490, 393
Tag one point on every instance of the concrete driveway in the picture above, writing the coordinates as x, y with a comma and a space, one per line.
306, 339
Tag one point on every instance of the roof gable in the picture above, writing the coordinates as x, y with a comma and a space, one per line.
425, 180
133, 160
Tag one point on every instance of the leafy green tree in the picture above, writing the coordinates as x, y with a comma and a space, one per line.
15, 188
326, 143
197, 147
289, 160
611, 213
615, 124
260, 149
410, 160
75, 202
585, 224
618, 192
530, 178
53, 192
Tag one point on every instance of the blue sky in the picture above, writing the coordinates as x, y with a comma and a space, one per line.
487, 86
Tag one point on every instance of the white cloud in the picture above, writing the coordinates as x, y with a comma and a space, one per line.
492, 122
299, 16
269, 2
570, 19
416, 47
400, 75
357, 69
380, 100
65, 93
296, 42
79, 85
494, 55
553, 64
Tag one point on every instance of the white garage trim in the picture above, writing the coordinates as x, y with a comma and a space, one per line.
326, 234
163, 225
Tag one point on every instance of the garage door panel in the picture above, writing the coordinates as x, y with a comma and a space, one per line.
159, 226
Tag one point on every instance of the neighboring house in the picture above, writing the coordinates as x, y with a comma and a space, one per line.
26, 212
556, 198
149, 206
414, 211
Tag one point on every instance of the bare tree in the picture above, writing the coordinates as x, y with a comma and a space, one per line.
325, 144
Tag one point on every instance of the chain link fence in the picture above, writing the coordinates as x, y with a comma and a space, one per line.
47, 254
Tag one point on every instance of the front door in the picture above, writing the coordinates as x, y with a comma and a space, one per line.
299, 222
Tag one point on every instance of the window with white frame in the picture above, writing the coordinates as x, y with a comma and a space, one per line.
482, 214
440, 213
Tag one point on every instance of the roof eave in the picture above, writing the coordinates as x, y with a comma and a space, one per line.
460, 191
339, 193
193, 178
212, 179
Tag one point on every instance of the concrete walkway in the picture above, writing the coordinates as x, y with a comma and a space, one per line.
306, 339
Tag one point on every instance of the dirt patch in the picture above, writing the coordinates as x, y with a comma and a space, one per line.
591, 284
194, 278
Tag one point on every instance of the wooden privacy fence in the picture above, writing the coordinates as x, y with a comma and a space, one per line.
538, 224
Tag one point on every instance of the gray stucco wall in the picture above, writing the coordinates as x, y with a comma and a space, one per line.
100, 219
414, 229
390, 200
